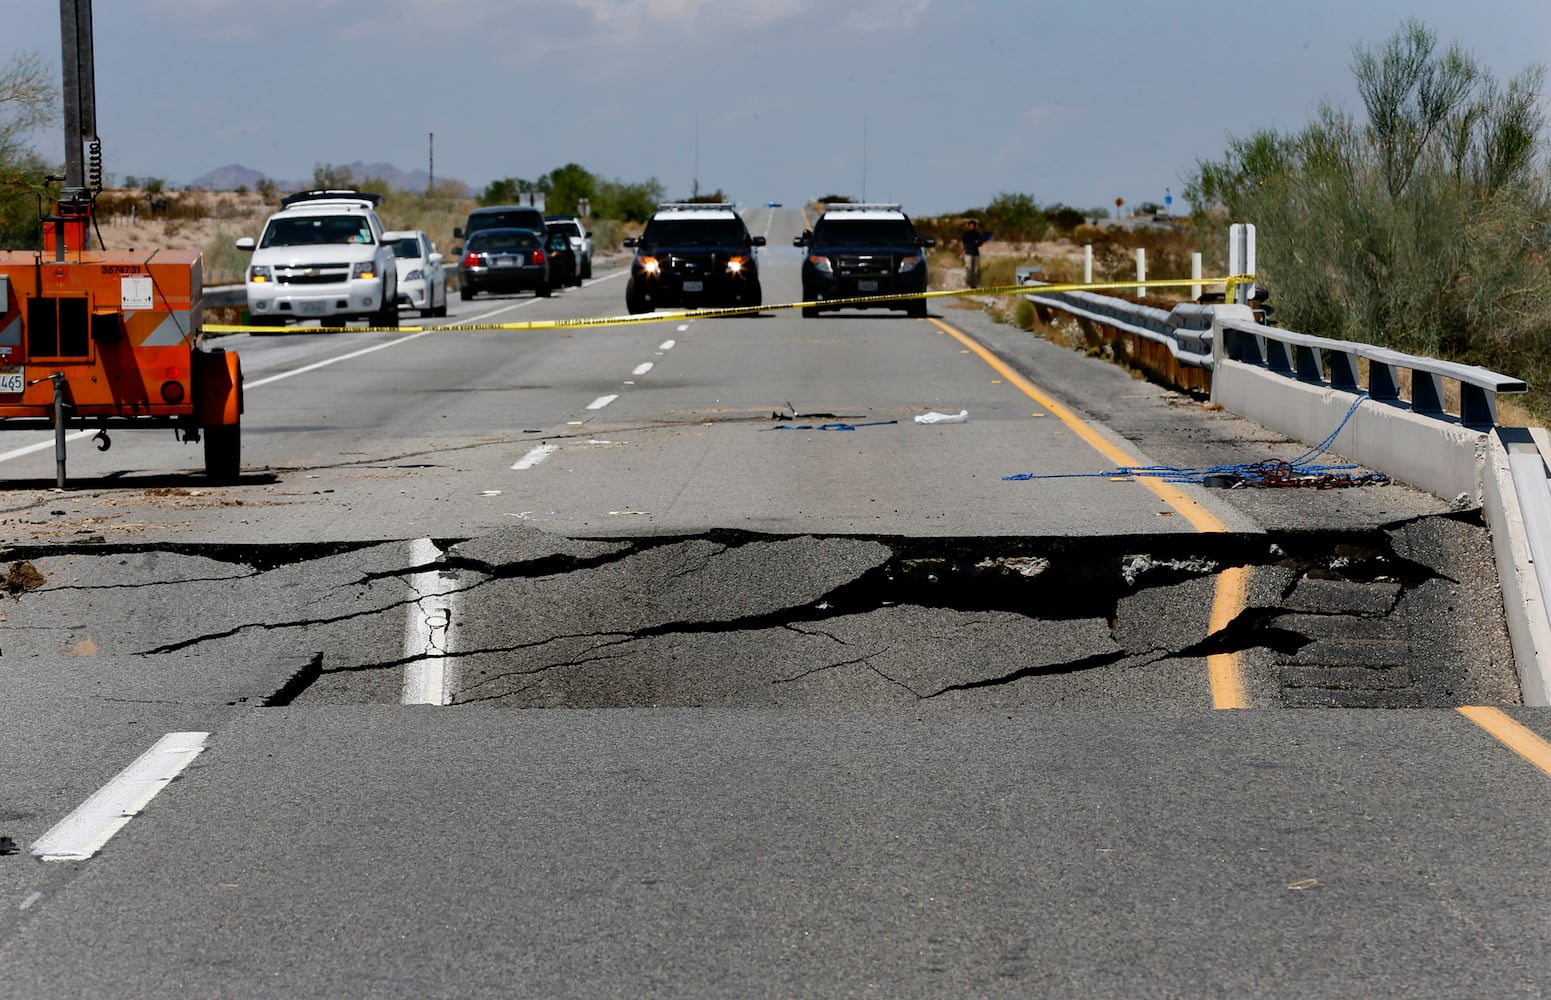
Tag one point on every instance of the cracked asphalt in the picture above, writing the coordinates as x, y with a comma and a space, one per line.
680, 706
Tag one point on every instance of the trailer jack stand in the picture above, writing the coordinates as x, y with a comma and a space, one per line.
58, 378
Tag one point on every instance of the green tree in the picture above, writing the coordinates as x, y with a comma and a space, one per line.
1016, 217
326, 176
29, 101
568, 185
627, 202
1426, 226
502, 192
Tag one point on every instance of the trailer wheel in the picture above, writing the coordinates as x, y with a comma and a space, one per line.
223, 454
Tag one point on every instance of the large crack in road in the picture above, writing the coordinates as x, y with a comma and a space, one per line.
1404, 615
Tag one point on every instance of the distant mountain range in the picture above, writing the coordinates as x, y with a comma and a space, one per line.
234, 176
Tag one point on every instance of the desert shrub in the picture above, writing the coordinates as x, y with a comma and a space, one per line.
1426, 226
1023, 315
1015, 218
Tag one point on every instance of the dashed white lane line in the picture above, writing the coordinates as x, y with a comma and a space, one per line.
84, 832
641, 369
535, 456
601, 402
428, 677
32, 897
666, 345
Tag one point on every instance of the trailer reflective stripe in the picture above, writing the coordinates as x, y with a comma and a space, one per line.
170, 332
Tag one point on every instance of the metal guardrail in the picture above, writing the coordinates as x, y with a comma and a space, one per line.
217, 296
1322, 361
1187, 331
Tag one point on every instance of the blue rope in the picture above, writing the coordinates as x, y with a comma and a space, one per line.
1298, 472
830, 427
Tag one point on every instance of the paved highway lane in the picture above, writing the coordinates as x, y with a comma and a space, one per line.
711, 853
845, 711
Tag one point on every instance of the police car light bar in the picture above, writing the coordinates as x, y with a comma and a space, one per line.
863, 206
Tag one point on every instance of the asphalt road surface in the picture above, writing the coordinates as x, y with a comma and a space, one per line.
679, 659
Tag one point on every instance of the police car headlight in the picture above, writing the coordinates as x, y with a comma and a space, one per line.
649, 265
735, 265
820, 264
364, 269
414, 275
259, 272
907, 264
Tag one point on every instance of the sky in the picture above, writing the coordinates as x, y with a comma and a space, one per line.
940, 105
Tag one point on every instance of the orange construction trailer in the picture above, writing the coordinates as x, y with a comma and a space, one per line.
102, 339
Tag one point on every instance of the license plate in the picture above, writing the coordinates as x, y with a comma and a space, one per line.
12, 380
867, 286
314, 308
503, 262
694, 286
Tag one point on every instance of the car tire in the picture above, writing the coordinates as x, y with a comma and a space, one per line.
586, 268
635, 304
223, 454
810, 312
440, 310
916, 309
465, 293
387, 316
543, 291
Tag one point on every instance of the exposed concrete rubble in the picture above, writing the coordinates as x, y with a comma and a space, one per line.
1402, 616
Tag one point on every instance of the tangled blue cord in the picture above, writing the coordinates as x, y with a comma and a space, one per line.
831, 427
1298, 472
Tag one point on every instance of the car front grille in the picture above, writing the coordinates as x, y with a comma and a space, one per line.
866, 265
321, 274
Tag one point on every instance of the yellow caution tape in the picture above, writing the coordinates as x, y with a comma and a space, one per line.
1231, 282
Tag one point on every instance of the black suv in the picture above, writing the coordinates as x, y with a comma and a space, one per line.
860, 250
501, 217
693, 255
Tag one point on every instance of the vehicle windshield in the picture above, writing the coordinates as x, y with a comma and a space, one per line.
502, 239
864, 233
312, 231
695, 233
515, 219
407, 247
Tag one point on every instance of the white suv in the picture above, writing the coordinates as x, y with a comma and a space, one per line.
323, 256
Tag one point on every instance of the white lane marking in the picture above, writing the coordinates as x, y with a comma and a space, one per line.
683, 327
666, 345
427, 635
334, 361
535, 456
41, 445
31, 898
84, 832
601, 402
642, 369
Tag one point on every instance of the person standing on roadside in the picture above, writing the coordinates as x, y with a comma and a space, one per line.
973, 237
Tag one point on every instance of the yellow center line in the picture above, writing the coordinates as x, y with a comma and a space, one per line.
1512, 734
1223, 669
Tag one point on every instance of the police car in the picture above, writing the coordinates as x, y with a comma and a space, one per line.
863, 249
692, 255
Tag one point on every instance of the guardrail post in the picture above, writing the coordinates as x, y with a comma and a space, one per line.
1241, 257
1141, 271
1195, 274
1087, 263
1426, 393
1383, 380
1477, 406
